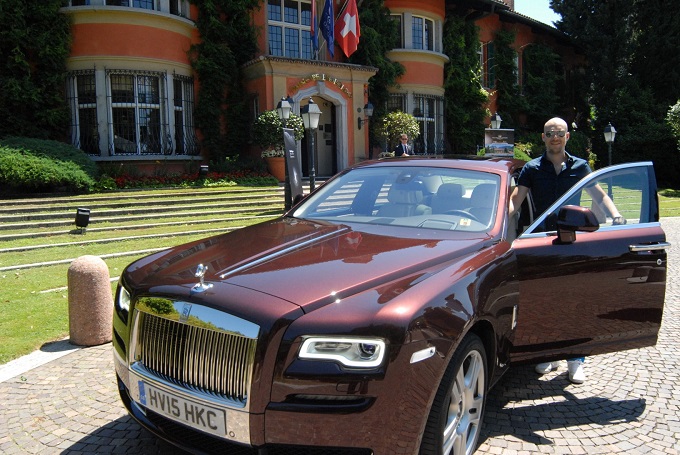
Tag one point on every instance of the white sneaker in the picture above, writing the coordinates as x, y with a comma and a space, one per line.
547, 367
576, 373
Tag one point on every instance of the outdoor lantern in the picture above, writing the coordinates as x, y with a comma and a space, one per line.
283, 109
496, 121
82, 218
609, 135
368, 110
310, 116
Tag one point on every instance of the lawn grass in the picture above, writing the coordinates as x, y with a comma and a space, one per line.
35, 306
669, 202
34, 300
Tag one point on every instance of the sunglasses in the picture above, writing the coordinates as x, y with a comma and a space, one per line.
550, 134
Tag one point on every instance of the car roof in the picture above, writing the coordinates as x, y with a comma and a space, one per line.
497, 165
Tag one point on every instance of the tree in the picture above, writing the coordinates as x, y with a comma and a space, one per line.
542, 82
657, 39
35, 42
623, 44
465, 96
673, 120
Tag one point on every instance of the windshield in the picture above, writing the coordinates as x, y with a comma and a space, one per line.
423, 197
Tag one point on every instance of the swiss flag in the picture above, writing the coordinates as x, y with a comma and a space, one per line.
347, 31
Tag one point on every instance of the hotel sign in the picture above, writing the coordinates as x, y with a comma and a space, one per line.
322, 77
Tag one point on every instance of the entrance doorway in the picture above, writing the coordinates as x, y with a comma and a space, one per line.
325, 157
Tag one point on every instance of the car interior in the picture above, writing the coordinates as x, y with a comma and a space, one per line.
450, 199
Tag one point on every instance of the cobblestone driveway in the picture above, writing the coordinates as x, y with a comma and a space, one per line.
629, 404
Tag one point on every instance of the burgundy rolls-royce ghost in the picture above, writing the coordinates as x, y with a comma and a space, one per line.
374, 316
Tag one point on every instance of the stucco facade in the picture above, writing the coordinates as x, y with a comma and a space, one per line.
132, 89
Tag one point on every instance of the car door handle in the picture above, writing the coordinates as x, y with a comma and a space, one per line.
649, 247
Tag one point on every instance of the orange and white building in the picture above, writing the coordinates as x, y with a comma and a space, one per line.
132, 89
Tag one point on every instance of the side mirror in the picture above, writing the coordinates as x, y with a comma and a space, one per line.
572, 218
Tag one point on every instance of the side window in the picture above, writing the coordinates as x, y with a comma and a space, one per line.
621, 191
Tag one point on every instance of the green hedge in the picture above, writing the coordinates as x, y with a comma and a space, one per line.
38, 166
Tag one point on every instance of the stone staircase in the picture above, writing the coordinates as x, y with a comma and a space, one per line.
21, 218
41, 231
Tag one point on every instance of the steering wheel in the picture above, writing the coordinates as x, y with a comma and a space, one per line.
462, 213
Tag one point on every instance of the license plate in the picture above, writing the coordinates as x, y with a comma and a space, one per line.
196, 415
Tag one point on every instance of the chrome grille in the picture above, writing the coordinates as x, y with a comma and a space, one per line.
208, 359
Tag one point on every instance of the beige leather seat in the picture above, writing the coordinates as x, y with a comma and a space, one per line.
403, 200
449, 196
483, 202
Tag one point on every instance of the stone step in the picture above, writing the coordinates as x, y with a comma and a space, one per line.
53, 213
151, 211
141, 194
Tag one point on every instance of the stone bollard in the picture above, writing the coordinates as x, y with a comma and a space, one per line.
90, 303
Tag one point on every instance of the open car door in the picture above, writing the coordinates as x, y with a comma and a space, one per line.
584, 293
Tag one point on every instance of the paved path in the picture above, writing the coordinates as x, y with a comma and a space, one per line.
629, 404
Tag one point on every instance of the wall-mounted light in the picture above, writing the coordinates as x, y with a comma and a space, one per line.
368, 110
82, 218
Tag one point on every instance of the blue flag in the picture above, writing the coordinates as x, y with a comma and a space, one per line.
328, 25
315, 30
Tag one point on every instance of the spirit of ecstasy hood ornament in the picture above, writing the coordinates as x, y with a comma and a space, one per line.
200, 273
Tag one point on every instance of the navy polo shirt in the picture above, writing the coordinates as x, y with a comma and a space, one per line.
546, 186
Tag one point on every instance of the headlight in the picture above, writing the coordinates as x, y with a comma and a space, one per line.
351, 352
122, 302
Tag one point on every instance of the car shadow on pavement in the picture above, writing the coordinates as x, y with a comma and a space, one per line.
525, 405
122, 435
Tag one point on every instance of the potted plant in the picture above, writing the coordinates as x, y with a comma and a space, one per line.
268, 134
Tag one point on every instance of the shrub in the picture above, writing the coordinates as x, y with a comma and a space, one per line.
397, 123
268, 130
35, 165
522, 152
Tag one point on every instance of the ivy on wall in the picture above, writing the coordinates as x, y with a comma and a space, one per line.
510, 104
35, 41
465, 97
228, 40
379, 35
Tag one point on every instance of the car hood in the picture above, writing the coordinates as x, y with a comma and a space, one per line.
306, 263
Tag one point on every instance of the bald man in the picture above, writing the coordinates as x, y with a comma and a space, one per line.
548, 178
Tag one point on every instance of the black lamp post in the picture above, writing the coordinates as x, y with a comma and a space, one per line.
310, 116
496, 121
368, 110
609, 136
284, 109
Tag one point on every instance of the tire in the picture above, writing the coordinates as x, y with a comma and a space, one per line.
455, 419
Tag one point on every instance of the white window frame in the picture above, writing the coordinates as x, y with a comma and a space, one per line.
301, 29
429, 116
138, 146
427, 44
